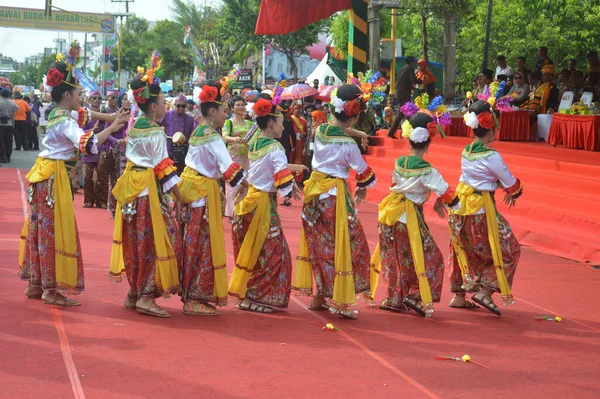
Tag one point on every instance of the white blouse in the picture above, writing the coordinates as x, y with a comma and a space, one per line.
485, 173
62, 140
210, 159
147, 150
262, 171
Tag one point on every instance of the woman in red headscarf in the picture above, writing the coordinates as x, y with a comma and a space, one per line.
425, 77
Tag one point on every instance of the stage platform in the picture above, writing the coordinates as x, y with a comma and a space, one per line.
556, 213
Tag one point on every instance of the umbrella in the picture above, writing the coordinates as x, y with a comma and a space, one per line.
325, 93
298, 91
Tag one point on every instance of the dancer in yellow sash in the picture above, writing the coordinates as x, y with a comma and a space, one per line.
407, 256
204, 273
262, 276
485, 251
333, 245
50, 253
146, 241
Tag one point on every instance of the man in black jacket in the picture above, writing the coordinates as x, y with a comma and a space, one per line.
405, 81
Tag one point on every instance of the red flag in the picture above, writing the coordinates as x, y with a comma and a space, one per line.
279, 17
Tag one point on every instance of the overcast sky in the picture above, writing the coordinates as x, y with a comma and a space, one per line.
21, 43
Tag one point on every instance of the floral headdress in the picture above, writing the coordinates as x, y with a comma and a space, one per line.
55, 78
348, 107
435, 108
493, 95
230, 78
372, 85
264, 107
149, 76
486, 120
278, 89
416, 135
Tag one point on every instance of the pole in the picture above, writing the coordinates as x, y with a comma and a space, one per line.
119, 54
264, 66
393, 63
488, 29
449, 58
358, 39
85, 53
374, 36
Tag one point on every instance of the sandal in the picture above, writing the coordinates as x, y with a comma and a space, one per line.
253, 307
416, 306
88, 205
61, 300
465, 305
349, 314
385, 306
34, 292
101, 205
130, 303
286, 202
487, 303
199, 309
153, 310
318, 305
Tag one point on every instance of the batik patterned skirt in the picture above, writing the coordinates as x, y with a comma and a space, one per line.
197, 276
398, 268
39, 265
139, 255
318, 220
118, 152
271, 280
473, 233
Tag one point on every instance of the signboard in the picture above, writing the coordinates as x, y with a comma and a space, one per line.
109, 77
14, 17
244, 80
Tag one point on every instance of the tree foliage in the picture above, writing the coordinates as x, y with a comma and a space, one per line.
32, 74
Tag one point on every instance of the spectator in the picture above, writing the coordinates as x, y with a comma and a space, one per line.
32, 124
426, 78
21, 122
7, 118
316, 84
572, 66
542, 58
502, 67
545, 98
405, 80
593, 63
592, 85
503, 78
564, 82
535, 78
522, 67
578, 85
520, 90
288, 141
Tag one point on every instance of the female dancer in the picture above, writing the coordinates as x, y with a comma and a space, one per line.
117, 147
146, 241
412, 263
485, 252
50, 253
204, 275
333, 245
263, 270
234, 131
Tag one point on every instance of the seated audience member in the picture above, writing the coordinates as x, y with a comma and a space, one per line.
545, 99
519, 90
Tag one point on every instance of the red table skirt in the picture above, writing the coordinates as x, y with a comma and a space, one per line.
458, 128
575, 131
515, 126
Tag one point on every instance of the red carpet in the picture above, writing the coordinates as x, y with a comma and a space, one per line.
556, 213
102, 350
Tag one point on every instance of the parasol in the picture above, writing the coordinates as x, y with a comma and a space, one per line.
325, 93
298, 91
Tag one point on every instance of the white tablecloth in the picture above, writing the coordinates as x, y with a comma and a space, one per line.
543, 126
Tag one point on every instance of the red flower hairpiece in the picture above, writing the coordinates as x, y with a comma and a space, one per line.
432, 128
486, 120
352, 108
54, 77
208, 94
262, 107
138, 96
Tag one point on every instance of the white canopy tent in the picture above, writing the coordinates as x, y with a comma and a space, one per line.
321, 72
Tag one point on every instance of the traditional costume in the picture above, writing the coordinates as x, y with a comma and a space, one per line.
50, 251
545, 97
333, 245
407, 254
263, 269
146, 241
95, 188
485, 252
204, 273
239, 154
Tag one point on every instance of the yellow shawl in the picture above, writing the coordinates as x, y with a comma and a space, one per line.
344, 295
470, 204
129, 185
65, 236
390, 210
253, 241
193, 187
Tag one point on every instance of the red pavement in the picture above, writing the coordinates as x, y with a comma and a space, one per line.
102, 350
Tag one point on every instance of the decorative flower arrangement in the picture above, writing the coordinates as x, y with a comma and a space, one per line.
54, 77
556, 319
262, 107
579, 109
463, 359
208, 94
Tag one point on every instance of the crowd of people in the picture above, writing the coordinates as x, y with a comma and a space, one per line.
168, 236
19, 120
